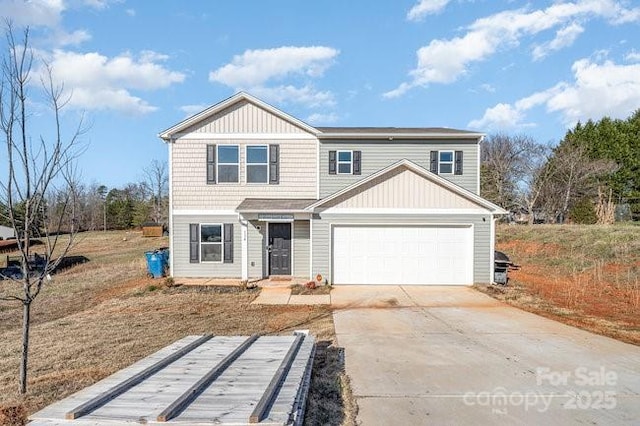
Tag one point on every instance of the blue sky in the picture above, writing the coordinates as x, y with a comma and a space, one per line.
135, 68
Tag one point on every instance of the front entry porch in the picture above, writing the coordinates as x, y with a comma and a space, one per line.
276, 238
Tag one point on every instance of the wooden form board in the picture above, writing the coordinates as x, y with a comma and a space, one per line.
230, 399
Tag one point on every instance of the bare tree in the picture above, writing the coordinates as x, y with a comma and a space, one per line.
502, 157
156, 182
37, 167
575, 177
536, 175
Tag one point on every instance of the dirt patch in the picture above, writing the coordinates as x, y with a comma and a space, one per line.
300, 289
587, 276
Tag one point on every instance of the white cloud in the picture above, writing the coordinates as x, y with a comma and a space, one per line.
305, 95
565, 37
599, 89
319, 118
255, 67
130, 12
98, 82
256, 71
632, 56
424, 8
488, 88
33, 13
446, 60
63, 38
100, 4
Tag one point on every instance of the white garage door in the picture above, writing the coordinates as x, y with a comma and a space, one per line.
403, 255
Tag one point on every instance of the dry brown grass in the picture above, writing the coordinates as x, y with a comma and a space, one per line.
100, 317
588, 276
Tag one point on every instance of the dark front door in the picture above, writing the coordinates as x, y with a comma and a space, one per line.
279, 249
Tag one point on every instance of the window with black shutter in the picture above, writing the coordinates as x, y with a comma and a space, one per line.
458, 163
274, 164
332, 163
211, 164
433, 162
228, 243
194, 243
357, 160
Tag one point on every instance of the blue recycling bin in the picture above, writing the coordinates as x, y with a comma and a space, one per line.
157, 263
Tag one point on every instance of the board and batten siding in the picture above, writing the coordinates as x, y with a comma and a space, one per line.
404, 189
244, 117
481, 236
180, 253
376, 155
298, 177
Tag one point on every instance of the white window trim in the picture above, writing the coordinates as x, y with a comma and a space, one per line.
246, 164
452, 162
218, 163
221, 243
338, 162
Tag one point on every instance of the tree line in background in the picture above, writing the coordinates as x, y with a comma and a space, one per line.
591, 176
98, 207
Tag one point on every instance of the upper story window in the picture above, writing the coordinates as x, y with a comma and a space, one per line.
257, 164
445, 162
345, 162
228, 163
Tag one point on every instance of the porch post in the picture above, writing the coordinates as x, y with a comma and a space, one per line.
245, 249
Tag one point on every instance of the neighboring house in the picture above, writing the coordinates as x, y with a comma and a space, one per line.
255, 192
6, 232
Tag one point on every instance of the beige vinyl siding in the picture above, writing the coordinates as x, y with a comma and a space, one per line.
481, 236
256, 252
301, 246
405, 189
244, 117
180, 253
377, 155
298, 177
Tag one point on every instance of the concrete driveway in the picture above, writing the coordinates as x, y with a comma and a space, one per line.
452, 355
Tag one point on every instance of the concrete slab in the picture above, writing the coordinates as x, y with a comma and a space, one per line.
448, 296
462, 359
310, 299
380, 296
273, 296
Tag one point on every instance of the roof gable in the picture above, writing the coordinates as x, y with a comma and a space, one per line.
408, 186
241, 113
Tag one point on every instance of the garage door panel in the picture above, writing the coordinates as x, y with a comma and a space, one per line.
403, 254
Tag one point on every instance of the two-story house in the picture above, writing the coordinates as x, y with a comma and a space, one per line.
255, 192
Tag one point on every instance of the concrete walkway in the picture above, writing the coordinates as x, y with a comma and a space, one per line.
451, 355
387, 296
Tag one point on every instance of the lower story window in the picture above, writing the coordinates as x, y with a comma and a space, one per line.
211, 243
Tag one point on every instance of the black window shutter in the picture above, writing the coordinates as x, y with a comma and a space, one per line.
211, 164
274, 164
433, 165
194, 243
332, 162
458, 163
228, 243
357, 169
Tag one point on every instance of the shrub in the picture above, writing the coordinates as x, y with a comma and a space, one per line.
583, 212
